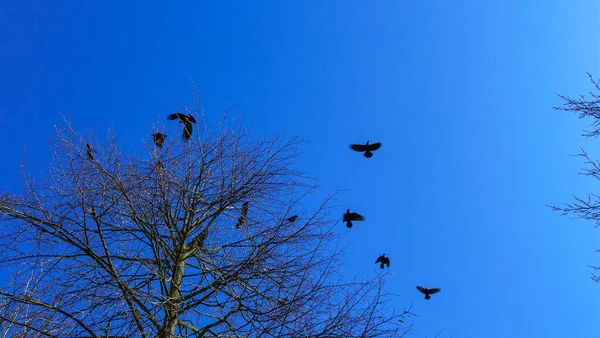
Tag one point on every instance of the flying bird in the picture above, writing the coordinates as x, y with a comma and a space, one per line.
292, 219
427, 292
383, 260
366, 148
187, 121
89, 151
159, 139
242, 218
352, 216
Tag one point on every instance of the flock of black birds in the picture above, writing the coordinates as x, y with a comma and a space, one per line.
348, 217
367, 150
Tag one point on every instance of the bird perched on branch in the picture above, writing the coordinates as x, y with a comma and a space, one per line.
198, 241
352, 216
187, 121
292, 219
427, 292
383, 260
159, 139
89, 151
366, 148
242, 218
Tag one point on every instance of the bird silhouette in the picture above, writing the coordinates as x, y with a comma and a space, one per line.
159, 139
292, 219
366, 148
352, 216
427, 292
242, 218
89, 151
187, 121
198, 241
383, 260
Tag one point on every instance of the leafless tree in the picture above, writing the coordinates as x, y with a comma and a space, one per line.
585, 207
145, 244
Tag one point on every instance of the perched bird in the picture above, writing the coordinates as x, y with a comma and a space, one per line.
352, 216
282, 301
198, 241
383, 260
187, 121
89, 151
366, 148
242, 218
427, 292
159, 139
292, 219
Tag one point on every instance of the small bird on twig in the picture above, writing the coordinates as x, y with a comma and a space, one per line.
159, 139
292, 219
187, 121
427, 292
242, 218
366, 148
352, 216
89, 151
383, 260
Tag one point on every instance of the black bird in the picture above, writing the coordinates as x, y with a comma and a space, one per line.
383, 260
366, 148
187, 121
352, 216
198, 241
159, 139
427, 292
242, 218
89, 151
292, 219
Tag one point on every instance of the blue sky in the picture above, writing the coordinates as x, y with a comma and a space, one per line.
460, 93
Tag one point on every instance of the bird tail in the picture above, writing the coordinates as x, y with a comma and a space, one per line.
368, 154
349, 224
240, 222
427, 296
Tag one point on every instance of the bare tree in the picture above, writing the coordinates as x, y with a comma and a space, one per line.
145, 244
585, 207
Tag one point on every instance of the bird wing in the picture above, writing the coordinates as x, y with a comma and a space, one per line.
421, 289
374, 146
245, 209
379, 259
176, 116
387, 262
434, 290
358, 147
191, 118
356, 217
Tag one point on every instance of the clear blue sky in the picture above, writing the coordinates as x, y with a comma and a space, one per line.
459, 92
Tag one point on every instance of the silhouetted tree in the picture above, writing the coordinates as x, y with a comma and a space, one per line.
122, 246
585, 207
